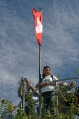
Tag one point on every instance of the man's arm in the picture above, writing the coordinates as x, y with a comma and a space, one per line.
55, 81
52, 83
41, 85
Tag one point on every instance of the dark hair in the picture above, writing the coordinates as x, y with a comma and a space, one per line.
43, 75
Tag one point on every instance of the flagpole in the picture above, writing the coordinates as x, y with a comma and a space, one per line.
38, 30
39, 79
40, 48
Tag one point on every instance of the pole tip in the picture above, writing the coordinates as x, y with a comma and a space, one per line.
40, 8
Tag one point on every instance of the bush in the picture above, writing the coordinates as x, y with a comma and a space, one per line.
64, 106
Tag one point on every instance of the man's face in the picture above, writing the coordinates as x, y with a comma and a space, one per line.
47, 71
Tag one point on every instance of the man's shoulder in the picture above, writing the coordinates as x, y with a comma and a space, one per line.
54, 77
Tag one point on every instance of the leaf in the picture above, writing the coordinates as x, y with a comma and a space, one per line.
77, 68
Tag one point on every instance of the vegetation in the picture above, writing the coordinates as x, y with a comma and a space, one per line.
63, 107
65, 104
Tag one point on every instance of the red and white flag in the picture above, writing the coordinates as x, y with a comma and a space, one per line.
38, 25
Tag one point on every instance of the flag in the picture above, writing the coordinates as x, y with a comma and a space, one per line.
38, 25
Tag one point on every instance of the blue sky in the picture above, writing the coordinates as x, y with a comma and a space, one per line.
19, 50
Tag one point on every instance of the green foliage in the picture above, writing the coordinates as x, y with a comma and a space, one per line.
6, 107
32, 113
59, 109
20, 115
